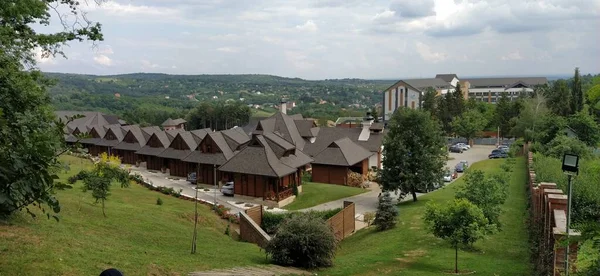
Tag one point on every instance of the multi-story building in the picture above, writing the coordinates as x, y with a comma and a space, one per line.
409, 92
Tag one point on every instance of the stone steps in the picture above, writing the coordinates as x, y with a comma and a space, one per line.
265, 270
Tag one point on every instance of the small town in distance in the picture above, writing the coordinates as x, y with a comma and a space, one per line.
299, 138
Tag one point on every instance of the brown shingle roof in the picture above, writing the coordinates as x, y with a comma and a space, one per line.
304, 127
173, 122
328, 135
342, 152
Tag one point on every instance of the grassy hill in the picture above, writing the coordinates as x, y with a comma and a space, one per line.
138, 236
409, 250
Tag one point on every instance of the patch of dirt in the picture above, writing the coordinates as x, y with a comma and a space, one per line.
415, 253
19, 234
155, 270
411, 257
190, 217
460, 272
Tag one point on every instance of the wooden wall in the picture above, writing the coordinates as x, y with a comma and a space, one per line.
329, 174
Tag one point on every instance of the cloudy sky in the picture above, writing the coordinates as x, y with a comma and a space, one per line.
340, 38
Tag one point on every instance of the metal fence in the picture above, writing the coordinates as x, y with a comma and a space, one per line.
481, 141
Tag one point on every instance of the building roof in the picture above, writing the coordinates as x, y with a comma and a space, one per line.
342, 152
258, 158
304, 127
87, 119
235, 137
172, 153
505, 82
446, 77
218, 138
285, 126
423, 84
147, 150
128, 146
173, 122
328, 135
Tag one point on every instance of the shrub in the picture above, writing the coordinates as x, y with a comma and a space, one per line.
271, 221
303, 240
486, 192
227, 230
368, 218
385, 218
563, 144
159, 201
307, 177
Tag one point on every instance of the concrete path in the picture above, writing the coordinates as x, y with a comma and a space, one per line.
265, 270
367, 202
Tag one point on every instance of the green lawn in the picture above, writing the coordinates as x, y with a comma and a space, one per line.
409, 250
261, 113
138, 236
317, 193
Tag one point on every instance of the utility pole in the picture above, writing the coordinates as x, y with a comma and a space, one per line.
215, 181
195, 215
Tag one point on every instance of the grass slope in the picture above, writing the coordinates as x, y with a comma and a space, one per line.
409, 250
317, 193
138, 236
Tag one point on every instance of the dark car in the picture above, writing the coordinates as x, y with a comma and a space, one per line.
498, 153
460, 167
455, 148
191, 177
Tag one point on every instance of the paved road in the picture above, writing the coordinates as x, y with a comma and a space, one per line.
367, 202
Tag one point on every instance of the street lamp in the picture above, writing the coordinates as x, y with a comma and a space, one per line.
570, 166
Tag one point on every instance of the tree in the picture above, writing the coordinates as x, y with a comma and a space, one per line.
414, 151
30, 136
303, 240
387, 212
503, 115
487, 193
429, 100
375, 114
562, 144
458, 101
460, 223
218, 115
469, 124
444, 112
550, 126
576, 93
559, 98
585, 127
528, 123
100, 178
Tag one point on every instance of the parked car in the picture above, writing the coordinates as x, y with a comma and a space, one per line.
460, 167
191, 177
227, 189
504, 148
465, 163
463, 145
448, 176
498, 153
455, 148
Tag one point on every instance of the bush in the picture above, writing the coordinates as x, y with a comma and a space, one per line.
159, 201
368, 218
385, 218
487, 192
307, 177
303, 240
563, 144
271, 221
295, 189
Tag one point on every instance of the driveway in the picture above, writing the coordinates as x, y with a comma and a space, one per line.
367, 202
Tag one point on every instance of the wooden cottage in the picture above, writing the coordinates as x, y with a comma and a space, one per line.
342, 156
135, 138
182, 145
150, 153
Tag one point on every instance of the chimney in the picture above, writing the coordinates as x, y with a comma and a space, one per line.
365, 133
283, 106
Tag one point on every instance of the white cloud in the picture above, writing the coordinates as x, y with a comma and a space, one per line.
229, 49
308, 26
225, 37
516, 55
428, 54
115, 8
146, 65
255, 16
105, 50
103, 60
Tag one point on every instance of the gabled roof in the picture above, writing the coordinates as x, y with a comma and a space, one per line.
200, 133
171, 133
278, 144
422, 84
304, 127
259, 159
235, 137
88, 119
205, 158
446, 77
173, 122
327, 135
517, 84
285, 126
342, 152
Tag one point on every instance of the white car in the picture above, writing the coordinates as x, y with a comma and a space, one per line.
463, 146
227, 189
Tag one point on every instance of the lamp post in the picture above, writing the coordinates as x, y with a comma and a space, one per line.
570, 166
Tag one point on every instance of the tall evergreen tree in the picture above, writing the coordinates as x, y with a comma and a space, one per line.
577, 93
559, 98
429, 100
503, 115
385, 218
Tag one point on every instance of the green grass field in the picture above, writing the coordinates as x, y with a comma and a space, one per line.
409, 250
262, 112
317, 193
138, 236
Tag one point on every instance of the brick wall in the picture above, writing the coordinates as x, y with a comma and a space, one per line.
342, 223
548, 212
